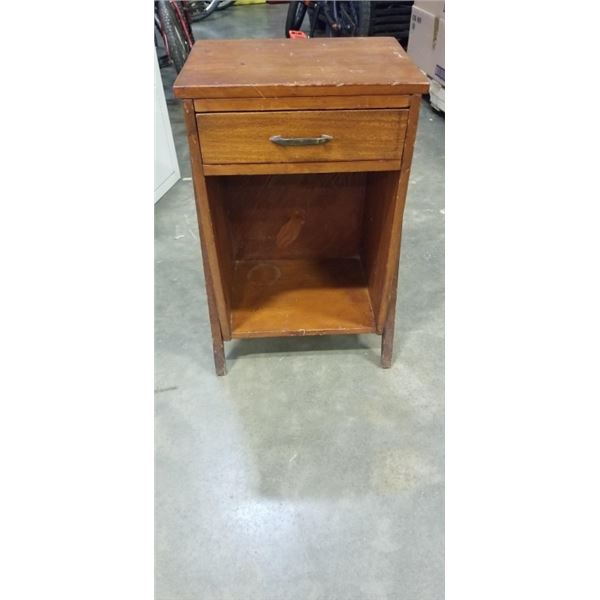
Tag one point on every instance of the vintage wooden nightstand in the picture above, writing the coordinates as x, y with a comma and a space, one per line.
301, 152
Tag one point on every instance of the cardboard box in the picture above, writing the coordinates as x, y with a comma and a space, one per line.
420, 39
436, 7
426, 42
439, 63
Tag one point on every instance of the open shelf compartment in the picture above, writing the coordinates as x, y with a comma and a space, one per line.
303, 254
300, 297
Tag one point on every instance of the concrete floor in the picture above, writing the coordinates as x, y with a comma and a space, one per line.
307, 472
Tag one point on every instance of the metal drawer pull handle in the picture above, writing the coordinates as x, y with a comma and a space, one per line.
300, 141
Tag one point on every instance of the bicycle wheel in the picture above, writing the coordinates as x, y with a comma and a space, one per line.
350, 18
363, 10
177, 47
200, 10
340, 18
295, 16
223, 4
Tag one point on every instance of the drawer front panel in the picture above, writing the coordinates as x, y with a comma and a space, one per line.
239, 138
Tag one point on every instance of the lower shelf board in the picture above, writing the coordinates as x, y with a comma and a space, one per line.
272, 298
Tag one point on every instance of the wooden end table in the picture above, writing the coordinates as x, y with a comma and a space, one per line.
301, 153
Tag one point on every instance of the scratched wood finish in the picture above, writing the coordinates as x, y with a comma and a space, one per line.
300, 297
290, 68
300, 103
300, 241
227, 138
295, 216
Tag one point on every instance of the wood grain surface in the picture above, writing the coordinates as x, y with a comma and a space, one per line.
300, 240
295, 216
300, 103
377, 242
300, 297
347, 166
391, 260
319, 67
227, 138
387, 335
217, 317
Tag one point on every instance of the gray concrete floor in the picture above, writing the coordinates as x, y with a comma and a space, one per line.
307, 472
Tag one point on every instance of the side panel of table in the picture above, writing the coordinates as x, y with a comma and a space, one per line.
217, 309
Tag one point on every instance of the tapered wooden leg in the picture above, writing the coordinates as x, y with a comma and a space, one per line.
215, 328
213, 317
219, 355
387, 338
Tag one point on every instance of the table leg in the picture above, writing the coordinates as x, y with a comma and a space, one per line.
215, 328
387, 337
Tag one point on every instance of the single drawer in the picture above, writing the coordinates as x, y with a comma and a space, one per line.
301, 136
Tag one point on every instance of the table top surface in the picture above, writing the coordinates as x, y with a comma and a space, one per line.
275, 68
